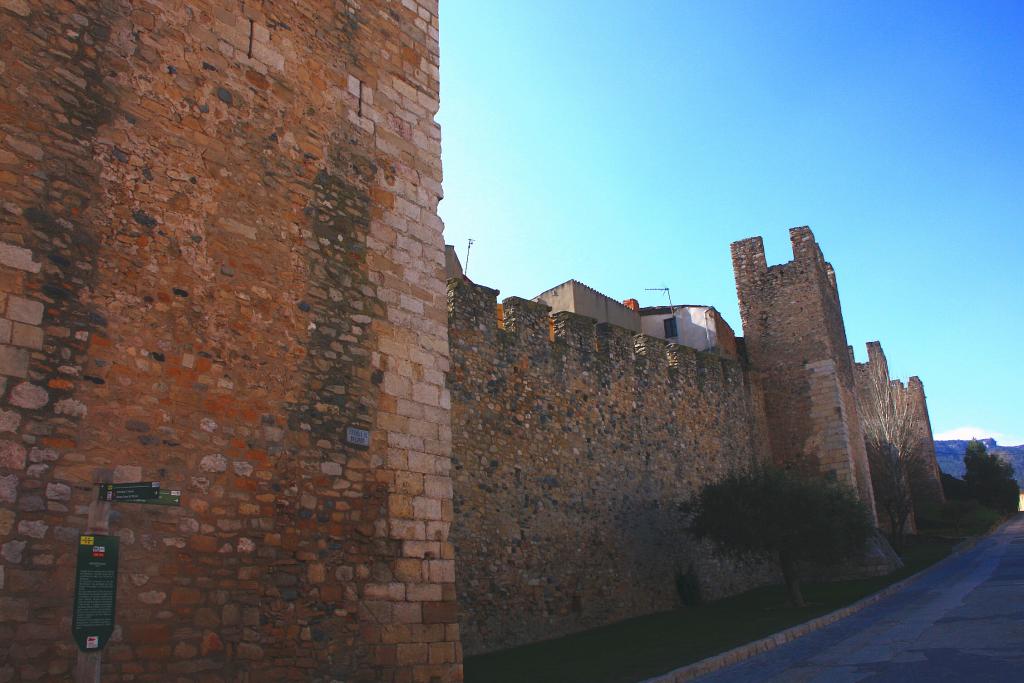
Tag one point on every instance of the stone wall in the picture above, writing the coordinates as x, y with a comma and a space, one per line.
926, 480
927, 488
219, 250
795, 340
570, 460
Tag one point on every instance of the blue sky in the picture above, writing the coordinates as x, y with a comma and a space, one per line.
628, 144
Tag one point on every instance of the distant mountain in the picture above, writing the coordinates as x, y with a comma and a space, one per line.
950, 455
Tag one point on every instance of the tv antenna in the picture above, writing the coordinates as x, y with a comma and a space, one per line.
661, 289
469, 245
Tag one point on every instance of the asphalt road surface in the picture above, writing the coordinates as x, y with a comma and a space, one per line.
961, 621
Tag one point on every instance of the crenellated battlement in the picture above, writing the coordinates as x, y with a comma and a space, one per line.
750, 253
472, 306
805, 248
750, 265
876, 356
527, 320
653, 352
808, 279
712, 373
683, 359
603, 347
614, 342
574, 330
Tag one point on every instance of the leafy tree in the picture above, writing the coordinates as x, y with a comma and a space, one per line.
777, 514
954, 488
990, 479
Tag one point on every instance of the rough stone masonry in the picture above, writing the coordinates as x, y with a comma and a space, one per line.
795, 340
574, 447
219, 250
925, 478
577, 445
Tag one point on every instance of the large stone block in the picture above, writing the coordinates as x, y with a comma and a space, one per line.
13, 361
17, 257
24, 310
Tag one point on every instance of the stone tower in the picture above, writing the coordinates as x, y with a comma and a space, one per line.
796, 345
221, 266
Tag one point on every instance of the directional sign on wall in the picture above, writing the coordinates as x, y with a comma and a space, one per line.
136, 492
95, 591
171, 497
144, 492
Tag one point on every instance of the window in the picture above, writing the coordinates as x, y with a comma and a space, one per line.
671, 331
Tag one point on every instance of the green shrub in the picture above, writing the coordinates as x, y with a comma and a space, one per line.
980, 520
954, 488
779, 515
688, 587
954, 512
957, 518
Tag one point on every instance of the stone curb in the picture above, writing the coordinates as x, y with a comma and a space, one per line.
744, 652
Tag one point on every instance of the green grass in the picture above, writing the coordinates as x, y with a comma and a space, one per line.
639, 648
975, 523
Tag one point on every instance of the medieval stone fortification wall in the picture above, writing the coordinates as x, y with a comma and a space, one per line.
570, 460
219, 250
927, 489
926, 481
795, 340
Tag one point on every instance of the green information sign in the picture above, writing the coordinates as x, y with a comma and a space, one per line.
95, 591
166, 498
136, 492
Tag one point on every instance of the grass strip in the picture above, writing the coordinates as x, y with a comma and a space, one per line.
639, 648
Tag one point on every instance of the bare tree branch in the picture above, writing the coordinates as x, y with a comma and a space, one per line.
892, 435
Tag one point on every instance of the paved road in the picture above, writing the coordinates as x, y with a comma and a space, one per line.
962, 621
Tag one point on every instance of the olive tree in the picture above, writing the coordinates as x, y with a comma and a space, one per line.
784, 517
